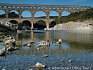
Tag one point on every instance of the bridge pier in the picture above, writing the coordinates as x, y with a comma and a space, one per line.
6, 12
47, 26
19, 15
60, 13
32, 25
6, 16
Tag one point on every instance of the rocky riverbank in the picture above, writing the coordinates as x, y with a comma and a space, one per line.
85, 25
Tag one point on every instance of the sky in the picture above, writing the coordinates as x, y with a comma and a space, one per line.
49, 2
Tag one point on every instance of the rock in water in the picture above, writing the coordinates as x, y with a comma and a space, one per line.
40, 65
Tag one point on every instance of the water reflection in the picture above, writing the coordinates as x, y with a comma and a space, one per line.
81, 46
72, 43
74, 37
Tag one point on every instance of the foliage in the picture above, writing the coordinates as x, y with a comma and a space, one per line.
53, 23
78, 16
4, 28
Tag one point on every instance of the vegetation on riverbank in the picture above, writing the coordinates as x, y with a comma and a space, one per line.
4, 28
77, 16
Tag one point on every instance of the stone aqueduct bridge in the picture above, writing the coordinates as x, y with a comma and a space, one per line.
34, 8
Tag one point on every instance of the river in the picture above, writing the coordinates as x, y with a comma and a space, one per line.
75, 52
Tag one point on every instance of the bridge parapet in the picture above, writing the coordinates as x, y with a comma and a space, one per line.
41, 7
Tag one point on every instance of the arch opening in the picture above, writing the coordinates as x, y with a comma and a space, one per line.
16, 12
53, 14
26, 14
13, 14
52, 24
26, 25
40, 14
40, 25
2, 14
65, 13
13, 21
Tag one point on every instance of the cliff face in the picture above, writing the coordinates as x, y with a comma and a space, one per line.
85, 25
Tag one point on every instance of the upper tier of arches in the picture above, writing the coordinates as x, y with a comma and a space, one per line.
46, 10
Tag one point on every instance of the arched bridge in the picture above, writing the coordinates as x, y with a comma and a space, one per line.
34, 8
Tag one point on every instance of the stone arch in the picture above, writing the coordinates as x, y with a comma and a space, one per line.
40, 25
14, 11
40, 14
26, 24
65, 13
13, 14
13, 21
2, 13
53, 13
26, 14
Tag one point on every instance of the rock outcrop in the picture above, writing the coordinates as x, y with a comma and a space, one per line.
85, 25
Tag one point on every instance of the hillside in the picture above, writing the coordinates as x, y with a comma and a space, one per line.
78, 16
88, 24
79, 21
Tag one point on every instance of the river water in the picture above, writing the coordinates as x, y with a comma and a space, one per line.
75, 52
